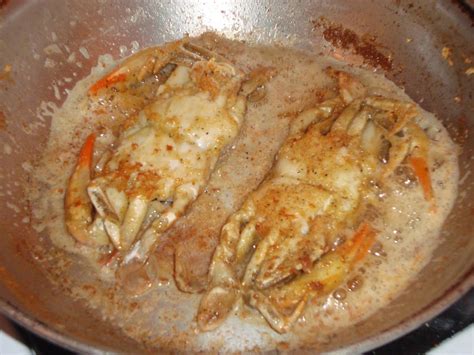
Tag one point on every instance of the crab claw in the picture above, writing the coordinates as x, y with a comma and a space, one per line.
78, 208
223, 293
392, 118
151, 61
286, 303
136, 67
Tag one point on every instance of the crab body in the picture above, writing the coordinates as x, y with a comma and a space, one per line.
278, 251
163, 155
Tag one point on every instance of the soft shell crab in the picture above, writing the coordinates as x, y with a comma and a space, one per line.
164, 154
278, 250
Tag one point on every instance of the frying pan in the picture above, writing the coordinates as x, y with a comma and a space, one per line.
412, 34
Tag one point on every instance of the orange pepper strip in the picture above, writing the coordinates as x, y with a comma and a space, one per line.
422, 172
85, 155
356, 248
106, 82
361, 242
367, 236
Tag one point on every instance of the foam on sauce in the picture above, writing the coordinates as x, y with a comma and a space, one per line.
165, 316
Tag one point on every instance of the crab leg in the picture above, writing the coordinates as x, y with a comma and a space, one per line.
349, 87
286, 303
77, 204
136, 257
344, 120
237, 239
147, 62
316, 115
404, 112
134, 217
256, 79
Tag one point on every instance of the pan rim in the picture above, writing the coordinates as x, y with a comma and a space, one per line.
429, 311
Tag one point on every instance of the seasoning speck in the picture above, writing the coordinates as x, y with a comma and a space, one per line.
7, 69
447, 54
3, 121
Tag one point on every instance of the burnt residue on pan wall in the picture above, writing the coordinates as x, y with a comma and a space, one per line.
415, 34
364, 46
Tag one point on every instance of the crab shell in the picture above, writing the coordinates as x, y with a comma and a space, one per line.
164, 155
274, 251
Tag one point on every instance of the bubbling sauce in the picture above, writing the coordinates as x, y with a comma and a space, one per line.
165, 316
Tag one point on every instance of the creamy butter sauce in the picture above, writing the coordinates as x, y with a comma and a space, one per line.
165, 316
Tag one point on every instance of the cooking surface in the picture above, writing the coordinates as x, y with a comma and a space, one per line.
452, 322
